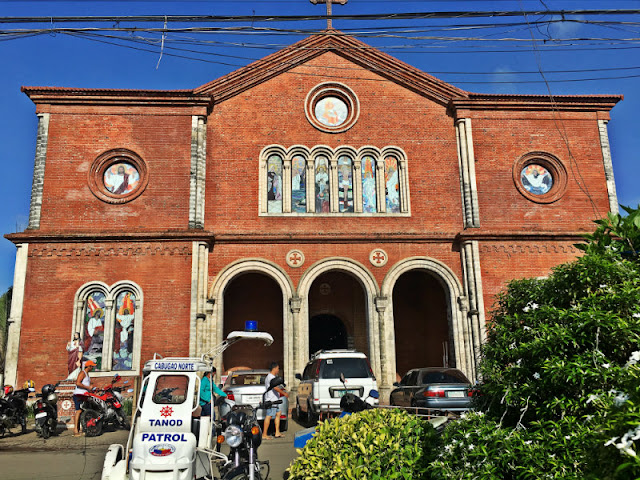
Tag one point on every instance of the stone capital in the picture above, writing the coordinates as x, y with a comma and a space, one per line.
381, 303
295, 303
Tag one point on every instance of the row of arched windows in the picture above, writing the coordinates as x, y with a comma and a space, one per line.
323, 181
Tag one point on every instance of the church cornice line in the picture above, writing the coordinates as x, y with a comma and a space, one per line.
33, 236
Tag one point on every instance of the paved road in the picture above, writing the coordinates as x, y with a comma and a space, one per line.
28, 457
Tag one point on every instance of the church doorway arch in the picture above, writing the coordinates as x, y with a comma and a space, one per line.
421, 326
253, 296
327, 332
337, 313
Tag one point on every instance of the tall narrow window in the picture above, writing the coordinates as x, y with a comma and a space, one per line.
368, 185
93, 335
392, 186
274, 184
345, 184
299, 184
123, 331
322, 185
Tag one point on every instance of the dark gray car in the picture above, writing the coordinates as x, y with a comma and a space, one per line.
437, 388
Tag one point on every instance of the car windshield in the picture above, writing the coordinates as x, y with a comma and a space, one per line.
450, 376
250, 379
351, 367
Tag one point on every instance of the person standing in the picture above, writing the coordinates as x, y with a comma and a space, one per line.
83, 385
272, 396
206, 386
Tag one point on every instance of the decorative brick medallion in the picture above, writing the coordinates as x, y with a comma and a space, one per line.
378, 257
295, 258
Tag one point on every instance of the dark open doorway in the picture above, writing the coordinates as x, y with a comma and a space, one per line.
326, 332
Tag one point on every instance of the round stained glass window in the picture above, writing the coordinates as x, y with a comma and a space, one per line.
536, 179
331, 111
121, 178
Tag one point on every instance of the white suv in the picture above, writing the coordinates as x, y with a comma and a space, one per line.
320, 388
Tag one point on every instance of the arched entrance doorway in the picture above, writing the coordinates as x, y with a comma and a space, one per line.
420, 322
337, 313
253, 296
326, 332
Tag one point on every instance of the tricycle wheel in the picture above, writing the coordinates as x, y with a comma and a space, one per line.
91, 424
238, 473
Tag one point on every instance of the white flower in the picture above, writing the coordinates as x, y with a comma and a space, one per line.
528, 442
567, 437
526, 328
471, 447
602, 285
606, 365
636, 315
512, 346
611, 442
526, 309
534, 306
634, 358
592, 398
620, 399
448, 448
519, 362
536, 376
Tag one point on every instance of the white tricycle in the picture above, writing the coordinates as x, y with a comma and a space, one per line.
169, 440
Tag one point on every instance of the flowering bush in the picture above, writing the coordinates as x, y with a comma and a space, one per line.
561, 372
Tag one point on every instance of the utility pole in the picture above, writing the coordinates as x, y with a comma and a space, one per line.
329, 3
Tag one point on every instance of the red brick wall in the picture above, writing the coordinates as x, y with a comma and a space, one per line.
54, 277
78, 136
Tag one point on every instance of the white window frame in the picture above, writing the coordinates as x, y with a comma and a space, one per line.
111, 294
356, 155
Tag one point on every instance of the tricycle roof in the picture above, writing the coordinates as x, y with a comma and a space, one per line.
178, 364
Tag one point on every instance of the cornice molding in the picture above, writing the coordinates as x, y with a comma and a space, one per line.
37, 237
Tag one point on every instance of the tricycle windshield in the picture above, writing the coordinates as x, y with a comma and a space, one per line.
171, 389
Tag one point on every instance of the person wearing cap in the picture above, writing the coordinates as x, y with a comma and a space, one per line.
83, 385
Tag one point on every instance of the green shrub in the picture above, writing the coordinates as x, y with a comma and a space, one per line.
374, 445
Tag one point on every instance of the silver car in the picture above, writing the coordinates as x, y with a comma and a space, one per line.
246, 387
437, 388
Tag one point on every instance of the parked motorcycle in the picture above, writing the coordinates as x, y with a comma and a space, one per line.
13, 409
103, 408
241, 431
46, 411
351, 403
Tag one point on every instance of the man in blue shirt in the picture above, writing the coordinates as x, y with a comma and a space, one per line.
206, 385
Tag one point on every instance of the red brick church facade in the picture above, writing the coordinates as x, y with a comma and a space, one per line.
337, 195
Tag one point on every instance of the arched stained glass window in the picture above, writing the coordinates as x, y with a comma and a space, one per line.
368, 185
323, 195
93, 334
299, 184
274, 184
392, 186
123, 331
345, 184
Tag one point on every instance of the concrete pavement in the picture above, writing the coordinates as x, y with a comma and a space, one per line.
67, 457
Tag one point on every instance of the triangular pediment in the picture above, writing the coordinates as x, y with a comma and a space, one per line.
343, 45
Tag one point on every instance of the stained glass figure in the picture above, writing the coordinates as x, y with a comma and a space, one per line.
323, 194
345, 184
93, 334
123, 331
392, 187
369, 185
299, 184
121, 178
536, 179
274, 184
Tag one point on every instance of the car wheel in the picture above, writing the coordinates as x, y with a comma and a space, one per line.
300, 415
312, 417
284, 425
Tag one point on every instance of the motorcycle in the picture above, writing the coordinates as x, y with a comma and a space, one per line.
241, 431
351, 403
45, 410
102, 408
13, 410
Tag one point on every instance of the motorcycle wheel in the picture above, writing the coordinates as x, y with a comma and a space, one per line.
45, 431
239, 473
91, 430
123, 422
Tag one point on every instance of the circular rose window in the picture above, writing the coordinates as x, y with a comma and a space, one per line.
332, 107
118, 176
540, 177
536, 179
121, 178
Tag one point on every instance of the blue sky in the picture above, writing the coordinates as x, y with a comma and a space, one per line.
496, 64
